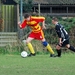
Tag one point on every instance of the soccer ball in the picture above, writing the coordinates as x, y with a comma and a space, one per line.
24, 54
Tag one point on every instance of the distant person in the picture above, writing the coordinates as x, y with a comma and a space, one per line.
63, 37
36, 33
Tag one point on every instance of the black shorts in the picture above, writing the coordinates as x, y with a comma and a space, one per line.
64, 43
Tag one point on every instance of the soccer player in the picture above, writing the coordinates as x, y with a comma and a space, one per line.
36, 33
63, 37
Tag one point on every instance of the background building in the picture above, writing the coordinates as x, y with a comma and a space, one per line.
55, 7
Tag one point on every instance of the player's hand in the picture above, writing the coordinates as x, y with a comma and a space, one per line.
60, 43
19, 23
43, 27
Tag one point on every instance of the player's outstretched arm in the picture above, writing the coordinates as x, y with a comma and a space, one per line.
22, 25
19, 24
43, 25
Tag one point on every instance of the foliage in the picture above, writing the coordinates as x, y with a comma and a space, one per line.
48, 20
11, 49
50, 34
27, 6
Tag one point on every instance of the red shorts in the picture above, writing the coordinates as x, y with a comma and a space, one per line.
38, 36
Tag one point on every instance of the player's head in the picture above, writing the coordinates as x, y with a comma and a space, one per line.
27, 17
54, 20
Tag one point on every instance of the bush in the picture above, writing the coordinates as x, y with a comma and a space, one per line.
50, 33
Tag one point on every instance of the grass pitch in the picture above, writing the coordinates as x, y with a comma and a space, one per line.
38, 65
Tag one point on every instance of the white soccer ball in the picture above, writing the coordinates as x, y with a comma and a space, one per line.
24, 54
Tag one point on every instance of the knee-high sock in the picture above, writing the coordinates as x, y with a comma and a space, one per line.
31, 48
59, 52
72, 48
49, 49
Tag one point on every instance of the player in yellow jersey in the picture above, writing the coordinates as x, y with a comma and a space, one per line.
36, 32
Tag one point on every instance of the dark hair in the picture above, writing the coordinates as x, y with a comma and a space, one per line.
26, 15
55, 19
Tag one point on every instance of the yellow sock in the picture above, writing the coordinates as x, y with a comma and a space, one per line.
50, 49
31, 48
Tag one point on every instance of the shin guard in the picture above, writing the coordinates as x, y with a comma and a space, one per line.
49, 49
31, 48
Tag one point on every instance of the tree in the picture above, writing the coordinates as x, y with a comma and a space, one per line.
27, 6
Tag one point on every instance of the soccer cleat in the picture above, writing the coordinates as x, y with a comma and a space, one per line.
31, 54
52, 55
57, 56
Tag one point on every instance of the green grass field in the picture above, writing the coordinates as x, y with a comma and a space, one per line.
38, 65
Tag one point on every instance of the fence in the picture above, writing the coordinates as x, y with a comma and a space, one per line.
9, 16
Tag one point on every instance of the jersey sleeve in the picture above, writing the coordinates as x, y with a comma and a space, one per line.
23, 25
58, 30
39, 19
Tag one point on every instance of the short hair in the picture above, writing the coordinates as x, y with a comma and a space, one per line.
26, 16
55, 19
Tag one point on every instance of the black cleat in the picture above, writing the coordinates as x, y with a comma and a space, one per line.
52, 55
57, 56
31, 54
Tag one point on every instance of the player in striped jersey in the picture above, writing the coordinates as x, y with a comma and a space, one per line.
36, 33
63, 37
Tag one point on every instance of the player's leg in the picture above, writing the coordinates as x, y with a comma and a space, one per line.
29, 39
70, 47
58, 49
46, 44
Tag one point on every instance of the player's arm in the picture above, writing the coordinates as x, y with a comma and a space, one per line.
60, 41
39, 19
22, 25
43, 25
42, 19
59, 34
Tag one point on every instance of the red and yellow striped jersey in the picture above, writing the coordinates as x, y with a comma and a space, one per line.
33, 23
